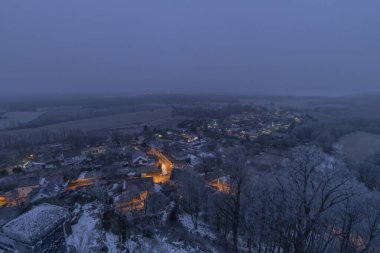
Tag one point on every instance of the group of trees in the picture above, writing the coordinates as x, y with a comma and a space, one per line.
368, 171
306, 209
27, 139
214, 113
4, 173
326, 132
313, 205
193, 193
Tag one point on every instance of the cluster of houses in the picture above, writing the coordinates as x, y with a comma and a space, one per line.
261, 121
126, 173
60, 155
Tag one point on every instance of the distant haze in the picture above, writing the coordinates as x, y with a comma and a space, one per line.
313, 47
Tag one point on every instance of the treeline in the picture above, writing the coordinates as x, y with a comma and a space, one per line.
210, 113
305, 208
326, 133
368, 171
75, 137
92, 100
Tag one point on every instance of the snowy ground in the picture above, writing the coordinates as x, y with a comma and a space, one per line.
13, 119
202, 229
111, 242
157, 188
159, 244
86, 234
181, 238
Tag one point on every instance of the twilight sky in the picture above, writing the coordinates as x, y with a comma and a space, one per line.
243, 46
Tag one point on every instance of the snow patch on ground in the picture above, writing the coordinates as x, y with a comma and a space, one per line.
111, 242
202, 229
176, 247
14, 119
159, 244
166, 212
84, 233
157, 188
328, 163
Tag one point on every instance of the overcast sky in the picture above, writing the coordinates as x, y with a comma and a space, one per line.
253, 46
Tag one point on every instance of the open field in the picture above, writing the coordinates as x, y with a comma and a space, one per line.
127, 121
13, 119
360, 145
325, 108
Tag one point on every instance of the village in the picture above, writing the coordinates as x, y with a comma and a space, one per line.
129, 171
205, 180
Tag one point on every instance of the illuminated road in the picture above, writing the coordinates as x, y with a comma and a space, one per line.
3, 201
81, 183
166, 164
166, 167
158, 178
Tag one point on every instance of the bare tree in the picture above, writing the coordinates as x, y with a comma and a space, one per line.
370, 236
314, 185
192, 190
206, 165
155, 202
229, 201
314, 205
350, 216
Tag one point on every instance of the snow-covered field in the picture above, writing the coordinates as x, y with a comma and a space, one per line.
13, 119
128, 122
359, 145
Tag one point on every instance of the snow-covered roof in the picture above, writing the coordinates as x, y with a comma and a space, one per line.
144, 169
139, 154
83, 175
36, 223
